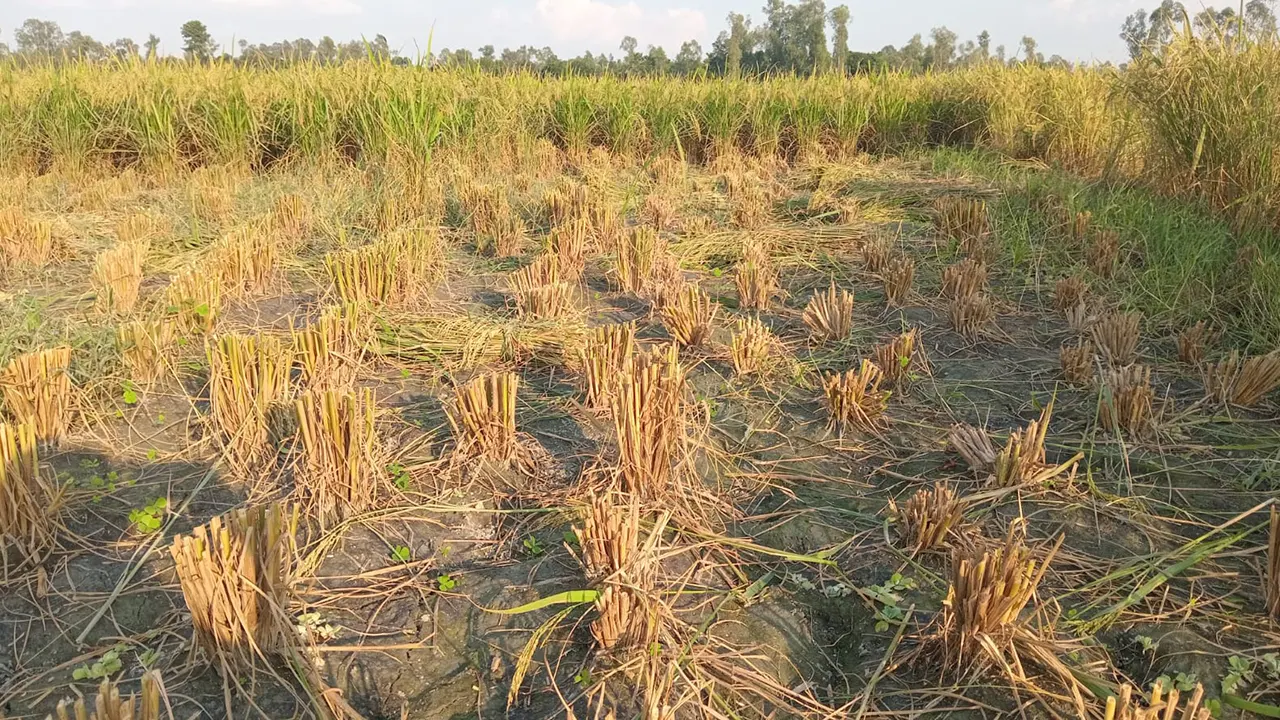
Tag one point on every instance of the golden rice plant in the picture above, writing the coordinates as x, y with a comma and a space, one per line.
854, 398
967, 277
1243, 382
1127, 400
1069, 292
971, 314
1192, 342
539, 292
875, 254
829, 315
109, 705
1272, 579
929, 517
1022, 460
26, 522
974, 445
895, 358
753, 346
897, 277
330, 351
637, 256
989, 589
248, 374
117, 276
143, 345
236, 574
291, 217
36, 388
603, 357
749, 207
25, 242
564, 203
419, 260
1126, 706
756, 278
483, 416
1116, 335
343, 462
194, 297
244, 261
1103, 253
568, 244
140, 228
1077, 363
688, 318
649, 419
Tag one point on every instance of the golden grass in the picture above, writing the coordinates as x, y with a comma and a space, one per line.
829, 315
967, 277
1126, 706
36, 388
343, 469
989, 589
603, 357
1077, 363
25, 242
929, 517
26, 520
1116, 335
752, 347
971, 314
109, 705
689, 316
854, 399
756, 278
248, 374
637, 256
395, 270
659, 210
117, 276
236, 575
1192, 342
291, 217
194, 297
1103, 253
331, 350
140, 228
1069, 292
244, 261
896, 357
144, 345
483, 416
1243, 382
1272, 579
649, 421
897, 277
974, 445
1127, 400
749, 206
497, 227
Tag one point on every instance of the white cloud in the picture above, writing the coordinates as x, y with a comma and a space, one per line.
602, 25
320, 7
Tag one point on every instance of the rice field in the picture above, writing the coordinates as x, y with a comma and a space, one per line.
371, 392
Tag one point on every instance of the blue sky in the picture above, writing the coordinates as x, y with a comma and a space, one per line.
1076, 29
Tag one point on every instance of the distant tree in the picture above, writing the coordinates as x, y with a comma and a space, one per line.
197, 43
737, 36
840, 38
984, 46
39, 37
124, 48
942, 50
629, 45
689, 59
656, 60
809, 37
326, 50
1143, 32
1029, 54
1260, 18
153, 46
83, 47
1000, 54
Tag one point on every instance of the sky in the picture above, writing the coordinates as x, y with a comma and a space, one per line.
1081, 30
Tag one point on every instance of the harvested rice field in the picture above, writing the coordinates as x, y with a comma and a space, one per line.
552, 431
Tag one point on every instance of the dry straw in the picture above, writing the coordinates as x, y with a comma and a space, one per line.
1069, 292
1126, 706
929, 517
974, 445
330, 351
1116, 336
875, 254
637, 257
140, 228
605, 354
689, 316
143, 346
756, 278
194, 297
568, 244
1192, 342
396, 269
342, 472
248, 374
649, 421
236, 575
1272, 579
26, 521
1103, 253
498, 229
659, 210
36, 388
25, 242
1127, 400
109, 705
1079, 228
244, 261
539, 291
1022, 460
753, 345
964, 220
291, 217
1077, 363
483, 416
898, 277
117, 276
1243, 382
854, 398
617, 556
971, 314
967, 277
896, 357
829, 315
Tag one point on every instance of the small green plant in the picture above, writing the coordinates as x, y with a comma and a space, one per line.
1147, 643
571, 538
401, 553
130, 394
399, 476
405, 374
1183, 682
583, 678
152, 454
888, 598
446, 582
1240, 673
149, 519
148, 658
108, 664
532, 546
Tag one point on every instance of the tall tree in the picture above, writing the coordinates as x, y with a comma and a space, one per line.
1029, 54
1260, 18
39, 37
124, 48
153, 46
197, 43
942, 50
840, 37
810, 36
737, 36
689, 59
984, 46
